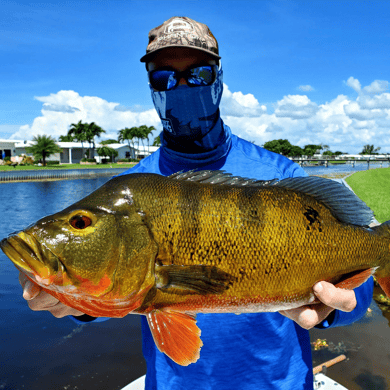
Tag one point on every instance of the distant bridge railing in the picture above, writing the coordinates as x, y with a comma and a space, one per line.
6, 176
325, 162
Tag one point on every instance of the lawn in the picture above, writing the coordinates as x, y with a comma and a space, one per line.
64, 166
373, 187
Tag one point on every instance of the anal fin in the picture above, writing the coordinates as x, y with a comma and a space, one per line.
355, 279
176, 334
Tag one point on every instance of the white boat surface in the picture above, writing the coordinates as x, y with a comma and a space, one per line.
138, 384
321, 382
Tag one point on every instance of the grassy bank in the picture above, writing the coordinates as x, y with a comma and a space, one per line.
373, 187
64, 166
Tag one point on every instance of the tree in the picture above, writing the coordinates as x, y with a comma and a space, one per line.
281, 146
295, 151
157, 141
78, 132
44, 147
146, 132
128, 135
106, 151
369, 149
309, 150
92, 131
65, 138
108, 142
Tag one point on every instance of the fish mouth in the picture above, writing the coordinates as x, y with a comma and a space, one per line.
30, 257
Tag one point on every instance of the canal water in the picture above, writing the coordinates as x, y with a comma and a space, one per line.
38, 351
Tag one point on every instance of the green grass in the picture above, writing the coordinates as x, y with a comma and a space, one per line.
64, 166
373, 187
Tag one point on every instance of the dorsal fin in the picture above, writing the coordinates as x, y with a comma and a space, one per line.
343, 203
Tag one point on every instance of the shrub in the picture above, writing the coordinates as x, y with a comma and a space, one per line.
124, 160
53, 162
88, 160
27, 160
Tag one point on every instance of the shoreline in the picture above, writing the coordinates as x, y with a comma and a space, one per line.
88, 173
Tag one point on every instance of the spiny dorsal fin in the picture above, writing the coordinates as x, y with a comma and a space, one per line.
176, 335
219, 178
343, 203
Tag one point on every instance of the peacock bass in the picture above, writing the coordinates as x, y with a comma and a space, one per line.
201, 242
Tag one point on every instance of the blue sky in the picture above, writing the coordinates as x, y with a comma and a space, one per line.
308, 71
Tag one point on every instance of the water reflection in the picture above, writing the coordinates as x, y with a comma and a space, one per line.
342, 168
38, 351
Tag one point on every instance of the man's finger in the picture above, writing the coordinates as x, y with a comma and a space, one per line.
30, 290
308, 316
43, 301
337, 298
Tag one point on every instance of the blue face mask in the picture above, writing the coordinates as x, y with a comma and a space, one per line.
189, 113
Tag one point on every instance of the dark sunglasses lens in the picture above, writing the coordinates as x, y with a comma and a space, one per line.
202, 75
162, 80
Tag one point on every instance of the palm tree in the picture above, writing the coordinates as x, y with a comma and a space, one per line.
147, 131
369, 149
128, 135
92, 131
157, 141
44, 147
78, 132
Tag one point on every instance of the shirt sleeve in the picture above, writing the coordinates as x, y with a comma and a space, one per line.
341, 318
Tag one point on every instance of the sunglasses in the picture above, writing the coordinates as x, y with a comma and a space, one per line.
167, 79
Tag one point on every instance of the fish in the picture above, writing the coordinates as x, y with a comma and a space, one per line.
204, 241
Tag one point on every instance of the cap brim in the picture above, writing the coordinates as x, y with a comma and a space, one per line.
148, 57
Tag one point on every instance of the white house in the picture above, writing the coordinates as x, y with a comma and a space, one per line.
72, 152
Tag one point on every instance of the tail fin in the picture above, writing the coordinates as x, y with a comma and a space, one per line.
384, 278
385, 284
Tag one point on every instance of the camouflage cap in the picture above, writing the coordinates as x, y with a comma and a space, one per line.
180, 31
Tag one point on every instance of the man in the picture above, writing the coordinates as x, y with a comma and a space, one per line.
249, 351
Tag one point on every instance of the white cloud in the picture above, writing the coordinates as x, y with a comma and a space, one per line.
240, 105
377, 86
344, 123
305, 88
295, 107
354, 84
63, 108
354, 111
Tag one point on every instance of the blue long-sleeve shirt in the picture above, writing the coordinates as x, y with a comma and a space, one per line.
247, 351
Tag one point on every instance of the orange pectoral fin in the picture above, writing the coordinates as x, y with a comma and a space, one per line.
176, 335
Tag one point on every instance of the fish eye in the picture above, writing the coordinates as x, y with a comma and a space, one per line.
80, 221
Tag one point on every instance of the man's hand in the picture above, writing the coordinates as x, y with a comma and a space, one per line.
38, 299
331, 297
